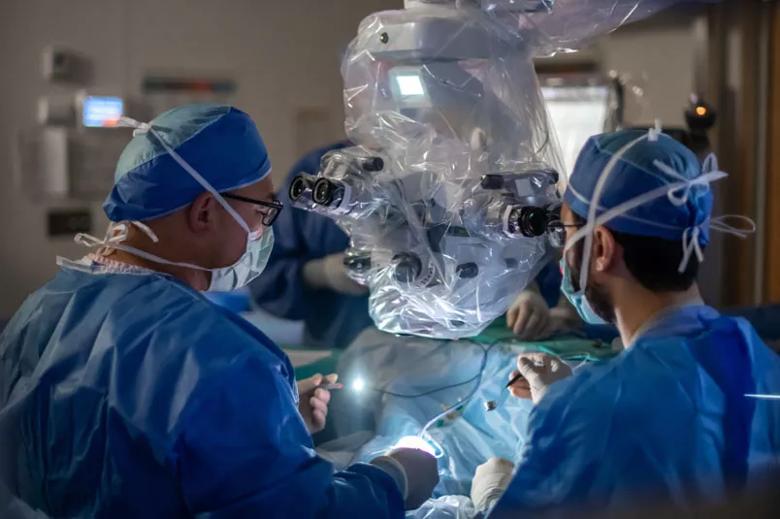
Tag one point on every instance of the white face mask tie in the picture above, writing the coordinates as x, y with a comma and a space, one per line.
115, 235
654, 132
590, 225
690, 239
690, 244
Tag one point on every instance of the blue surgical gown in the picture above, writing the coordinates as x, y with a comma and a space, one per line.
130, 395
667, 419
331, 319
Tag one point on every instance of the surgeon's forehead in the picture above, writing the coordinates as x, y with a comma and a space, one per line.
567, 215
263, 190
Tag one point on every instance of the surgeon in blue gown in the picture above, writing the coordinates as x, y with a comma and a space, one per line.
685, 414
125, 393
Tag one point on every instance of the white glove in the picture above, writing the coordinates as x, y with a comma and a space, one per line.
539, 372
490, 481
563, 319
528, 317
329, 273
415, 471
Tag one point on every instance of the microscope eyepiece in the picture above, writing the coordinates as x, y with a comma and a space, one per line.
297, 187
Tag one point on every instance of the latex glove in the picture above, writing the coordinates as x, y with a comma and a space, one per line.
490, 480
528, 317
313, 400
539, 372
329, 273
563, 319
415, 471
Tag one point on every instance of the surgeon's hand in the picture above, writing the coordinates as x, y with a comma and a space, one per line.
539, 371
529, 316
329, 273
422, 474
563, 319
313, 400
490, 480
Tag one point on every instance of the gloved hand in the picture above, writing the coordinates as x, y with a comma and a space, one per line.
528, 317
563, 318
490, 481
539, 372
313, 400
415, 471
329, 273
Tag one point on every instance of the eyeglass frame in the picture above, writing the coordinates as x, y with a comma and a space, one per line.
558, 224
267, 220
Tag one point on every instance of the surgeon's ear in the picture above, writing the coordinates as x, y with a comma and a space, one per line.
200, 214
604, 249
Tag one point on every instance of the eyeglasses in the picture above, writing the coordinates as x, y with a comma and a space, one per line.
269, 217
556, 229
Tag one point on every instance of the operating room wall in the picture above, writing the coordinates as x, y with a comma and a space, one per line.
284, 57
655, 59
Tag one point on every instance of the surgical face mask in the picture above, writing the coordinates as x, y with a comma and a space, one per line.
577, 297
256, 250
224, 279
250, 265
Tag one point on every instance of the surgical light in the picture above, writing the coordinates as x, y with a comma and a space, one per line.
358, 384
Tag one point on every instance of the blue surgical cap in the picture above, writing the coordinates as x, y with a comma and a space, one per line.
220, 142
636, 173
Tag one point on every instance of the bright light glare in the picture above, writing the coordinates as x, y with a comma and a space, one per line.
415, 442
763, 397
358, 384
410, 85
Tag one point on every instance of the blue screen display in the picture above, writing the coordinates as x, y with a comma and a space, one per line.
102, 111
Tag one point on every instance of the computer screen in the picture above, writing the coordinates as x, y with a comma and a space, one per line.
102, 111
